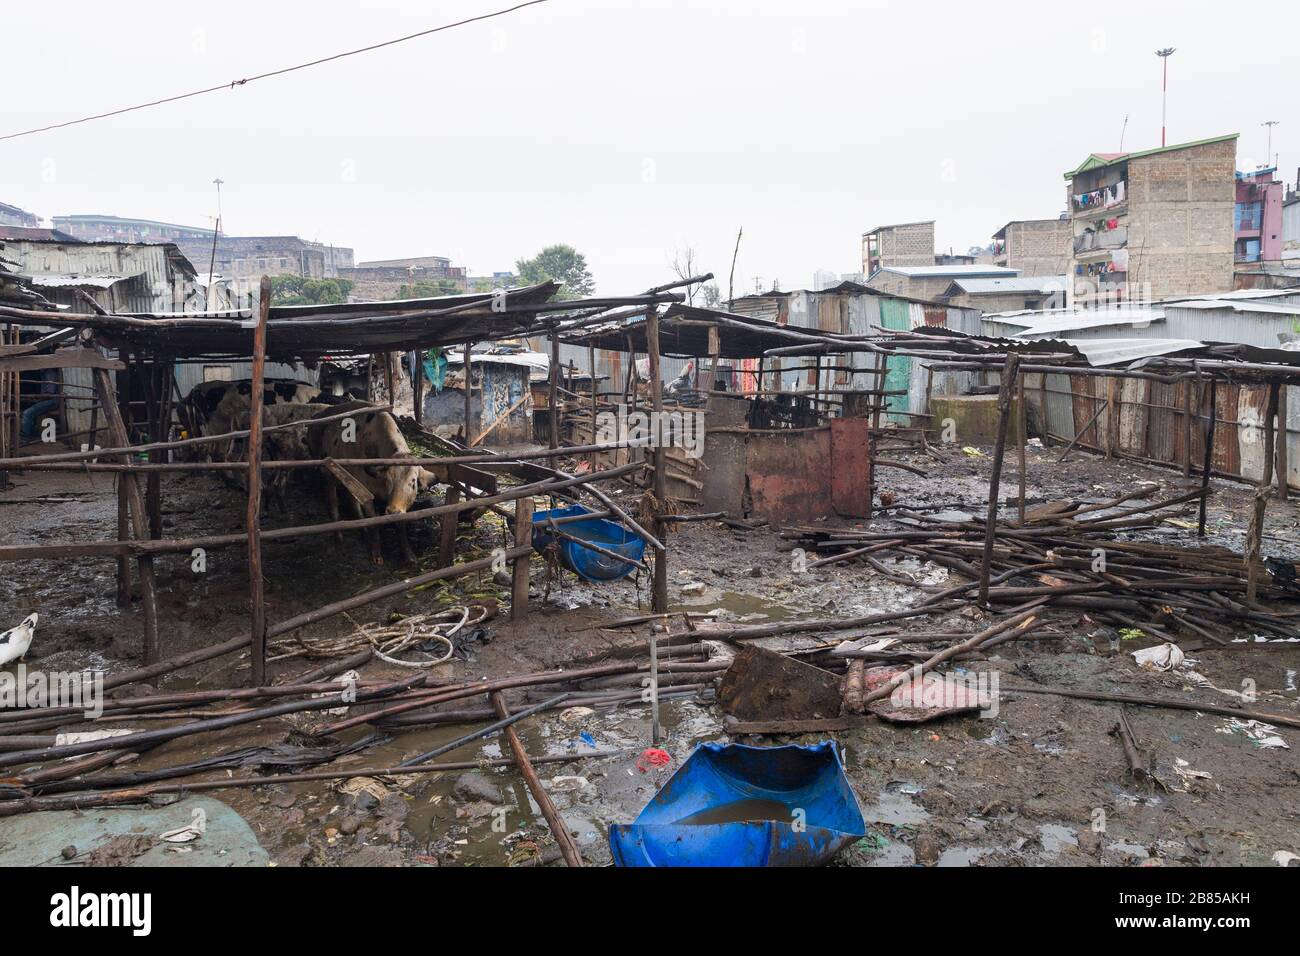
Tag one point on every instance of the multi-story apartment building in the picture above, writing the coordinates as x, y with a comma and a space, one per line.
902, 244
118, 229
384, 278
1154, 223
1037, 247
243, 260
1257, 219
13, 216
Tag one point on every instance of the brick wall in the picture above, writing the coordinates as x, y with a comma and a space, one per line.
1039, 247
1180, 226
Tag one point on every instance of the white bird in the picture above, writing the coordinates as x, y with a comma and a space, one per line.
15, 641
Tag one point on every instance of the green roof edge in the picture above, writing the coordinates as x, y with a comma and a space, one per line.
1090, 164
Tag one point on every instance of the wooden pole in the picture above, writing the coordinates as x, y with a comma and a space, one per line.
447, 529
715, 354
591, 363
1022, 437
1009, 372
134, 500
1255, 528
256, 597
417, 387
519, 571
468, 379
563, 838
1282, 467
1208, 459
553, 397
1188, 413
659, 598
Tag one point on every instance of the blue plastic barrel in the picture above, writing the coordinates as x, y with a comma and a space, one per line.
591, 565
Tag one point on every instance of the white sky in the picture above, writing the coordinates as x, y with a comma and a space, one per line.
627, 129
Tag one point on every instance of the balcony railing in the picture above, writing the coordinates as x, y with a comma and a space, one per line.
1094, 241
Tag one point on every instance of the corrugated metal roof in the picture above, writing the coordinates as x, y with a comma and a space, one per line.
1095, 160
1037, 323
1044, 284
72, 281
1236, 294
953, 272
1266, 308
1101, 353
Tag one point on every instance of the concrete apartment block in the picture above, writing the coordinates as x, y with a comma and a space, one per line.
1155, 223
1037, 247
902, 244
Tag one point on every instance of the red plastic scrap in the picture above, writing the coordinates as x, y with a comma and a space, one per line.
652, 757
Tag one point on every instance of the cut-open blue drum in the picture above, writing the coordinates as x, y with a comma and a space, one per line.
592, 565
732, 805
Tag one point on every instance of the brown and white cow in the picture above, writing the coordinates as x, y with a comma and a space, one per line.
372, 433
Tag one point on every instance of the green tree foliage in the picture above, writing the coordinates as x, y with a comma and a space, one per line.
300, 290
562, 263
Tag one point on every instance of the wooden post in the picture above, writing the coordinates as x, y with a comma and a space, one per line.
447, 529
1255, 528
389, 382
1282, 467
1022, 437
256, 598
417, 387
1187, 427
654, 686
1009, 372
1209, 459
1112, 415
715, 354
468, 379
519, 571
591, 361
659, 598
553, 398
129, 486
563, 838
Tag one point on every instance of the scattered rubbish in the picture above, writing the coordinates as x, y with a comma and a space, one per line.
81, 737
1263, 735
694, 587
1162, 657
1188, 775
571, 715
652, 757
1286, 858
733, 805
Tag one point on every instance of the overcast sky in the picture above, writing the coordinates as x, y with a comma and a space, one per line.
627, 129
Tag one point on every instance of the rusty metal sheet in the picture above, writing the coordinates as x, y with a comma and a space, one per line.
765, 685
789, 474
850, 471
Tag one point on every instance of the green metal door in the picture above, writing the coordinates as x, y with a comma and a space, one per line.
895, 317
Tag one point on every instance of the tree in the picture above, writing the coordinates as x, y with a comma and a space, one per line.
300, 290
562, 263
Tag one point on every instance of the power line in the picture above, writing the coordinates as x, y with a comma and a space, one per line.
288, 69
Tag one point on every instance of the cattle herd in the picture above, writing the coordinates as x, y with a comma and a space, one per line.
219, 408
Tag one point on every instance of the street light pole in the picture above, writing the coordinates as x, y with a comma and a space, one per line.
1164, 90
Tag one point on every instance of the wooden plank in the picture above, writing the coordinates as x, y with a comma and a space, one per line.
256, 596
63, 358
519, 571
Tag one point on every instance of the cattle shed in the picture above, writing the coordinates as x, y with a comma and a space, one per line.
138, 410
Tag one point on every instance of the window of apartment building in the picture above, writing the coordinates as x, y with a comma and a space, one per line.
1248, 215
284, 264
1248, 250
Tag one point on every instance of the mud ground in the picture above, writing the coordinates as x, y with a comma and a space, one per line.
1041, 783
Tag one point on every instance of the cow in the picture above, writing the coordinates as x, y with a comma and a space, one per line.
288, 444
372, 433
218, 405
